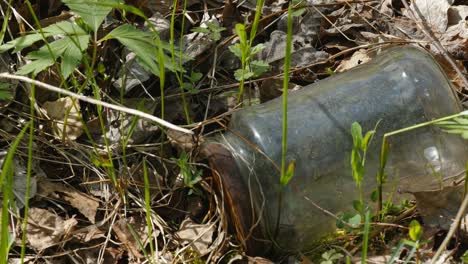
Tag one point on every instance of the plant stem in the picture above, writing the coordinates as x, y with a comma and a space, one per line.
247, 48
179, 74
181, 81
365, 243
287, 62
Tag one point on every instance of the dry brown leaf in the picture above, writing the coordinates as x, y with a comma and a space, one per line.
89, 233
258, 260
26, 260
93, 255
66, 118
46, 229
198, 236
85, 204
434, 12
374, 259
386, 7
125, 236
359, 57
455, 40
456, 14
181, 140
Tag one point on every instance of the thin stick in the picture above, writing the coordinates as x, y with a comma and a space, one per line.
452, 230
428, 32
83, 98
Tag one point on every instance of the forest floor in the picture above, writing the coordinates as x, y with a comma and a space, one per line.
88, 177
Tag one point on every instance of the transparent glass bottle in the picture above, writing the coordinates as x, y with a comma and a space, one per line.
401, 87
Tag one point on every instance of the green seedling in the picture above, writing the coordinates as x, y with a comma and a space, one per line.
212, 29
244, 50
250, 68
331, 256
193, 78
190, 175
464, 258
180, 71
358, 160
415, 234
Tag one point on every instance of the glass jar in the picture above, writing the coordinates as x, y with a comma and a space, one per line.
401, 87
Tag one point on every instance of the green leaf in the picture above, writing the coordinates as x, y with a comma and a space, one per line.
71, 57
458, 125
215, 27
236, 50
258, 67
195, 76
247, 74
257, 49
20, 43
358, 206
190, 88
342, 220
69, 49
299, 11
284, 180
464, 258
36, 66
374, 196
143, 44
61, 28
415, 230
93, 12
329, 71
330, 256
355, 221
367, 138
215, 35
356, 166
5, 93
356, 133
240, 32
200, 30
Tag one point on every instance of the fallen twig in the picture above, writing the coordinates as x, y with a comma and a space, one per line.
90, 100
452, 230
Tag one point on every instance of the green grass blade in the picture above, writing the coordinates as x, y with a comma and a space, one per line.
148, 208
6, 185
28, 172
